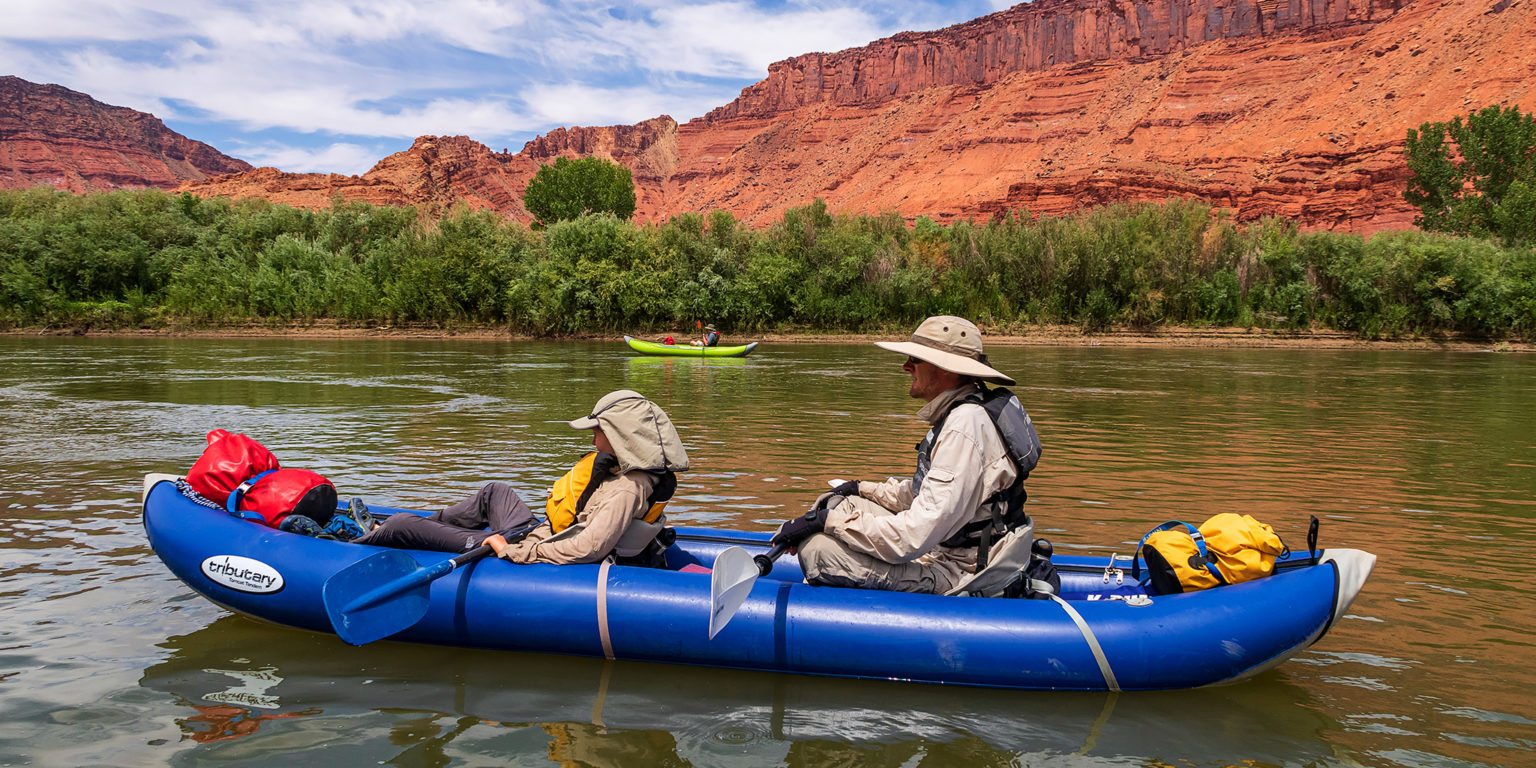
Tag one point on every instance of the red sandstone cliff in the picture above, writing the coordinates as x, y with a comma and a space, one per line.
52, 135
1293, 108
1033, 37
1290, 107
438, 171
649, 149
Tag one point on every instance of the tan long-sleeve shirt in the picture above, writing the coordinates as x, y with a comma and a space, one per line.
612, 507
969, 464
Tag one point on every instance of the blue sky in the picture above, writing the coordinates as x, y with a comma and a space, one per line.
335, 85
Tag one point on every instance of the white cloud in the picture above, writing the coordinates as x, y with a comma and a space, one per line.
357, 70
87, 20
343, 157
739, 40
573, 104
712, 39
475, 25
286, 95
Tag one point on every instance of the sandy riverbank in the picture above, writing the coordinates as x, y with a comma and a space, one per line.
1031, 336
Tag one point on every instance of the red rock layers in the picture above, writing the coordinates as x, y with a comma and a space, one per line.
1290, 107
52, 135
1029, 38
648, 149
438, 171
1300, 110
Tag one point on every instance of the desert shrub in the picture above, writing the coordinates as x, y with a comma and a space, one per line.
146, 257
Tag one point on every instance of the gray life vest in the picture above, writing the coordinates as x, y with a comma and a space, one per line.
1023, 447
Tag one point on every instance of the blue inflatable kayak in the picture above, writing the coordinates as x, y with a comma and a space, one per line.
1106, 634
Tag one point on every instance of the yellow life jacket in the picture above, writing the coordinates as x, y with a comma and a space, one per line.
1227, 549
568, 496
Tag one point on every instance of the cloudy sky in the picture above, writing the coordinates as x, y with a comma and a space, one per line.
335, 85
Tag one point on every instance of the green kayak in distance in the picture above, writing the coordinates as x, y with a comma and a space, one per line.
687, 350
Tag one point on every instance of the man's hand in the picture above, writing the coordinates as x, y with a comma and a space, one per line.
801, 528
848, 488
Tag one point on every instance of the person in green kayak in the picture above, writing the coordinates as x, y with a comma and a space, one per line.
709, 338
610, 503
931, 531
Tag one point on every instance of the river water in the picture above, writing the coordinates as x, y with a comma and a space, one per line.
1426, 458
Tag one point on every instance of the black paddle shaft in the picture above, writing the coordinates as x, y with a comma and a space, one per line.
471, 556
765, 562
512, 537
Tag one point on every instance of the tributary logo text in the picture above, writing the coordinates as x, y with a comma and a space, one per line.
243, 574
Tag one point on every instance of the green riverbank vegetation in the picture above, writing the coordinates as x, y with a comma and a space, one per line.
133, 259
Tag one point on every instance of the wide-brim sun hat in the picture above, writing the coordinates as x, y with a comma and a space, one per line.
611, 400
640, 432
952, 343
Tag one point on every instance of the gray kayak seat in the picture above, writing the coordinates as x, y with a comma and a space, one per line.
638, 537
1005, 565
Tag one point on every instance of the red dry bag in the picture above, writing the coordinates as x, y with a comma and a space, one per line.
278, 494
228, 461
243, 476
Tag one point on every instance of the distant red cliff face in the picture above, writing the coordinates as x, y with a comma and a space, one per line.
1030, 38
52, 135
436, 172
1295, 108
439, 171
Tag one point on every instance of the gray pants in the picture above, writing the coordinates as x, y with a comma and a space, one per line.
458, 528
828, 561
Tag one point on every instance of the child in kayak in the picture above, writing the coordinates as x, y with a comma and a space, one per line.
609, 503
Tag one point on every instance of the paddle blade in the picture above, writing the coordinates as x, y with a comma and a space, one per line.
729, 584
363, 625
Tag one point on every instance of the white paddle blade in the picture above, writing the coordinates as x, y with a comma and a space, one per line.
730, 582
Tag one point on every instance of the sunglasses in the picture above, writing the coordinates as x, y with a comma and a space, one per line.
912, 361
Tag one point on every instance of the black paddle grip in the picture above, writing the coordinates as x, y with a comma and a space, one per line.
765, 562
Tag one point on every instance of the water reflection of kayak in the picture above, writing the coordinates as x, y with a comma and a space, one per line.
687, 350
1106, 635
652, 714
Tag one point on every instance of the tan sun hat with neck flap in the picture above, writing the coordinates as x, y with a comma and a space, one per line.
641, 433
952, 343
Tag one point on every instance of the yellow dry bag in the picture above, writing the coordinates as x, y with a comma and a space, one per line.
1226, 549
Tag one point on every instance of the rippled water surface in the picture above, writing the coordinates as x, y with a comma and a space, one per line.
1427, 459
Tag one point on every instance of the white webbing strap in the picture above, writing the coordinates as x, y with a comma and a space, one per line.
1093, 643
602, 608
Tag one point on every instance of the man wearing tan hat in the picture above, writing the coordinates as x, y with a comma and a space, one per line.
930, 532
710, 338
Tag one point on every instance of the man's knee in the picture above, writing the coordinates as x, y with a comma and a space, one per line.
829, 562
813, 553
826, 561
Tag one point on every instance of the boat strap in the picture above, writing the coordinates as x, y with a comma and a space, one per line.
1093, 642
602, 608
